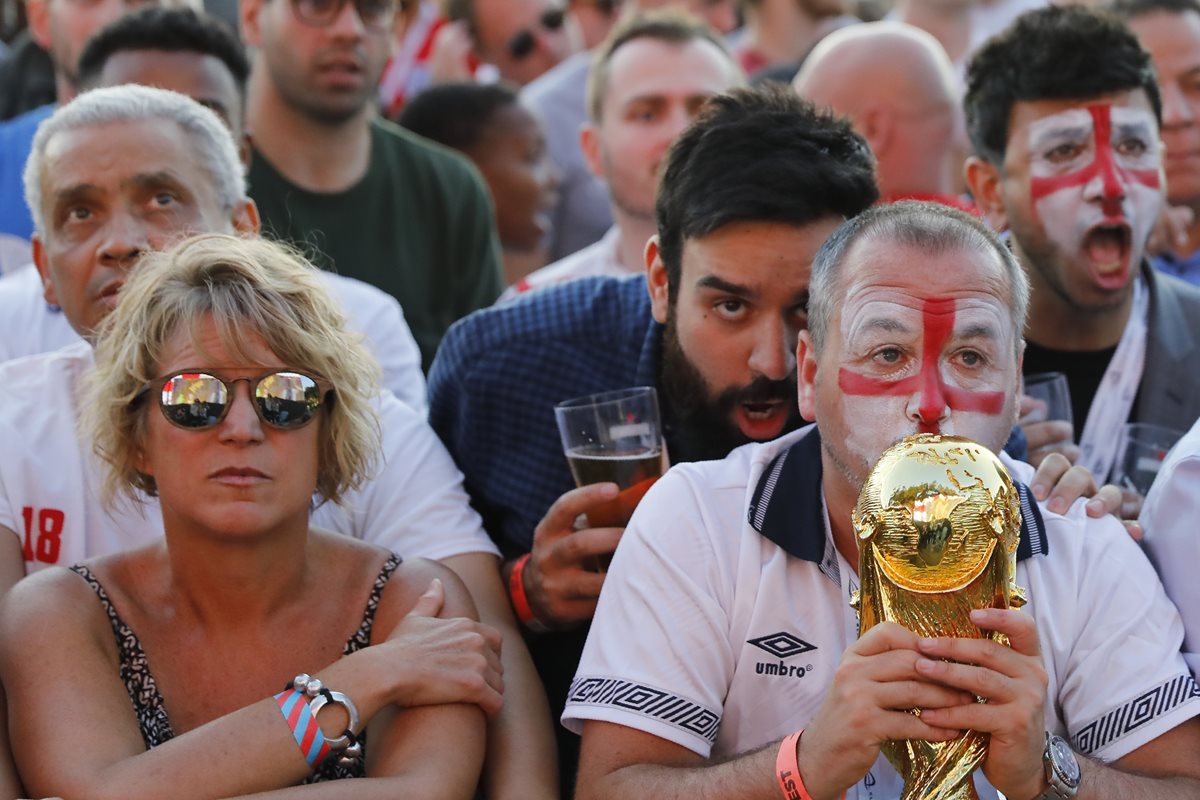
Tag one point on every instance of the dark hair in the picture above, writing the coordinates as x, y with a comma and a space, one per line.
171, 29
1052, 53
456, 114
759, 154
1128, 9
672, 27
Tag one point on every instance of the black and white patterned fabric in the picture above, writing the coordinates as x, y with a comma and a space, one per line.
148, 702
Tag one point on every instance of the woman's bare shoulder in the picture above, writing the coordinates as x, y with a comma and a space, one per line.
52, 603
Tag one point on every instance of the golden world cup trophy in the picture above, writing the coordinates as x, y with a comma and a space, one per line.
938, 522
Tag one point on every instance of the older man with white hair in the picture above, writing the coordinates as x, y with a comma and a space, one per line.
61, 27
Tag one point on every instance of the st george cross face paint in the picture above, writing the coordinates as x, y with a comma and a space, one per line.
935, 395
1093, 190
923, 343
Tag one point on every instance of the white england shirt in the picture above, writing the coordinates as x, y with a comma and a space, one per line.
726, 610
50, 480
29, 325
1172, 541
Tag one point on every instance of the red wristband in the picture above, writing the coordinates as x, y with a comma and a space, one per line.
520, 603
787, 770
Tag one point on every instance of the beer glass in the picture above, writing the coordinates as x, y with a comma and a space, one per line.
1144, 447
1052, 390
614, 436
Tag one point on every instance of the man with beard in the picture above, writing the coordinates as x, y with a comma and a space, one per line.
725, 659
741, 210
1070, 164
649, 79
360, 195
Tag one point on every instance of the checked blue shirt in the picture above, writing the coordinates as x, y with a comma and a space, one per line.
499, 373
492, 390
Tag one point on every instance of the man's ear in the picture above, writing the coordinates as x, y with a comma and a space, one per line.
589, 143
38, 16
877, 125
248, 13
806, 376
656, 282
42, 262
986, 186
245, 218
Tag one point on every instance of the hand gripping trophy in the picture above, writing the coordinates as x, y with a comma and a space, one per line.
938, 522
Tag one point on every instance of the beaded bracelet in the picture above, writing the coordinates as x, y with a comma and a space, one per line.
299, 702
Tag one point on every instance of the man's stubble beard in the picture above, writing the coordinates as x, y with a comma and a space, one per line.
1044, 262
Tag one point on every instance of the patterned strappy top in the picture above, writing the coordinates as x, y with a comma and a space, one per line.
148, 701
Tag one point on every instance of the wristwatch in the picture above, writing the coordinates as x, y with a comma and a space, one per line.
1062, 769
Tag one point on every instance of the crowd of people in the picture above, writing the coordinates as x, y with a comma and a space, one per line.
290, 289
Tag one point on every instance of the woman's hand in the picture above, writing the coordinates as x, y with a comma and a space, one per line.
439, 661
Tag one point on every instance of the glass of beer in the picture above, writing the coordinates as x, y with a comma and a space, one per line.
614, 436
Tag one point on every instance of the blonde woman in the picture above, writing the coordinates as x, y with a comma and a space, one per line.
244, 653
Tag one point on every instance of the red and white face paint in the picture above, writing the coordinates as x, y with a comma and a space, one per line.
924, 343
928, 387
1095, 186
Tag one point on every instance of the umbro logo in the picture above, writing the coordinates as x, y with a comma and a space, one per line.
782, 645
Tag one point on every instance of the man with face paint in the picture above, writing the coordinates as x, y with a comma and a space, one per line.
1071, 165
713, 326
724, 659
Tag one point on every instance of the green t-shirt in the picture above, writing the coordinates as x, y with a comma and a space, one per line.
418, 226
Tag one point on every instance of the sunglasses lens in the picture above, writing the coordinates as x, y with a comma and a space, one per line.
287, 399
193, 400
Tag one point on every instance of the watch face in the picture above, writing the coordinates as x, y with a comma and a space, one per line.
1064, 760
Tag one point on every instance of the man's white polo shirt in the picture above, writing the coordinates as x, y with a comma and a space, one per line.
50, 480
1172, 542
726, 611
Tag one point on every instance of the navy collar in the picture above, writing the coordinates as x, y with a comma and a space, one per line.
793, 518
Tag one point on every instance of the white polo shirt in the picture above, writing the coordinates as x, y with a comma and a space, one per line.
726, 611
50, 480
1169, 518
29, 325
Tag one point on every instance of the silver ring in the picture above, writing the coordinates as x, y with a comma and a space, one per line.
321, 700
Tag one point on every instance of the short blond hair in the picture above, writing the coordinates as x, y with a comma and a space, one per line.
248, 286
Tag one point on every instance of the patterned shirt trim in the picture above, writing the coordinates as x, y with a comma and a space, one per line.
1146, 707
148, 703
648, 701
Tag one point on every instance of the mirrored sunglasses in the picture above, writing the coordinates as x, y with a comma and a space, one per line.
521, 43
198, 400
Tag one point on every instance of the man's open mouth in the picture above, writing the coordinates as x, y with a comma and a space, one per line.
762, 420
1107, 247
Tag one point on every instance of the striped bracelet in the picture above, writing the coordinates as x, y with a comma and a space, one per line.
299, 703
